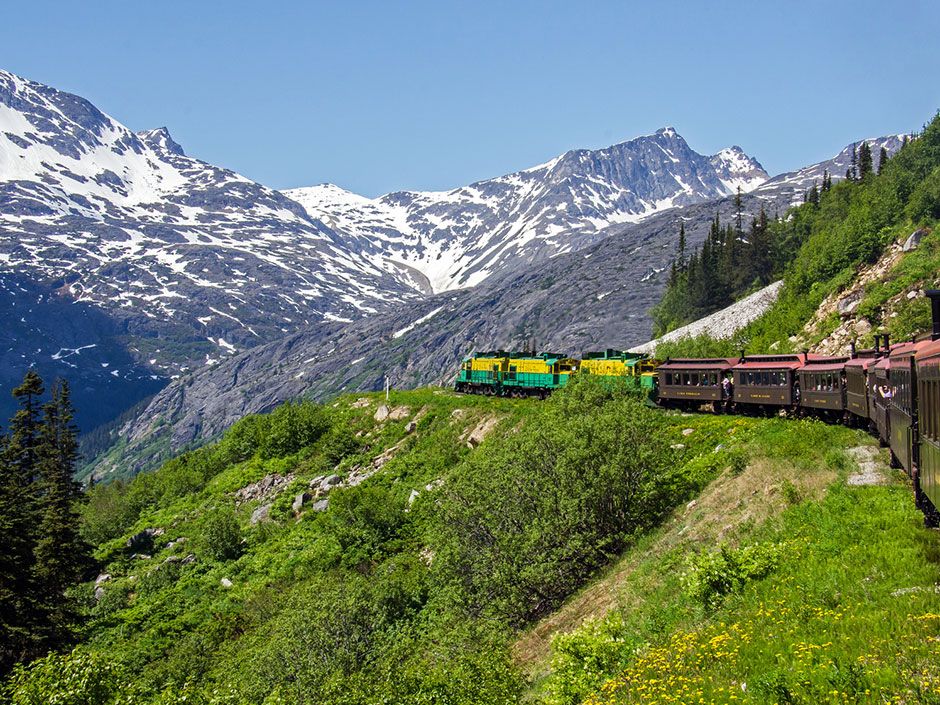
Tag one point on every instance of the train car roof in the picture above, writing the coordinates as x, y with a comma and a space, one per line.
773, 362
824, 367
697, 364
769, 365
862, 362
825, 364
929, 351
906, 349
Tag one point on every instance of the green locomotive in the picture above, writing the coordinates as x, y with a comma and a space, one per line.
516, 374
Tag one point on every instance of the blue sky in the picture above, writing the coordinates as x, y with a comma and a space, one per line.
380, 96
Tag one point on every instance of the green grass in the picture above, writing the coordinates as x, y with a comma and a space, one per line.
843, 609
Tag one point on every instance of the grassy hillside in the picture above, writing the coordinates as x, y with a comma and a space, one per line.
454, 549
425, 534
792, 582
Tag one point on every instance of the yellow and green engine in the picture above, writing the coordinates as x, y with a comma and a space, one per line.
638, 368
517, 374
514, 374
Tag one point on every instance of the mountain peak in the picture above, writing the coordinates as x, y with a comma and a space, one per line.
160, 139
667, 131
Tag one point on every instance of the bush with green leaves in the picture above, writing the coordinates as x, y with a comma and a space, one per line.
221, 538
714, 575
78, 678
523, 522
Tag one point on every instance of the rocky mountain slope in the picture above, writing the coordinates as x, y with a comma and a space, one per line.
459, 238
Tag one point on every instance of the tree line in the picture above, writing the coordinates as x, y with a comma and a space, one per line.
733, 259
737, 258
42, 553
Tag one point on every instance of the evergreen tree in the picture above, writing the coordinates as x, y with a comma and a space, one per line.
852, 173
19, 611
62, 557
864, 160
681, 245
738, 210
813, 195
882, 159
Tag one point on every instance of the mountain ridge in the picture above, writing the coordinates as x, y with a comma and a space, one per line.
460, 237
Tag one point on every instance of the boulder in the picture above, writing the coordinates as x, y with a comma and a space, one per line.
99, 593
321, 505
410, 427
413, 496
913, 240
191, 558
361, 403
399, 413
262, 513
225, 582
862, 327
102, 578
144, 539
381, 413
299, 501
482, 430
688, 431
847, 305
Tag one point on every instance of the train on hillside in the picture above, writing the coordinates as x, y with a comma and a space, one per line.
893, 389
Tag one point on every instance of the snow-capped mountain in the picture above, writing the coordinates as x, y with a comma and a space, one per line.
795, 183
190, 261
454, 239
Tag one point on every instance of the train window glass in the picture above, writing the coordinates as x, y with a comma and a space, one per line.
935, 409
668, 378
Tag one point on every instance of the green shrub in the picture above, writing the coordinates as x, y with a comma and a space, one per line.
67, 679
291, 427
221, 537
712, 576
524, 521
